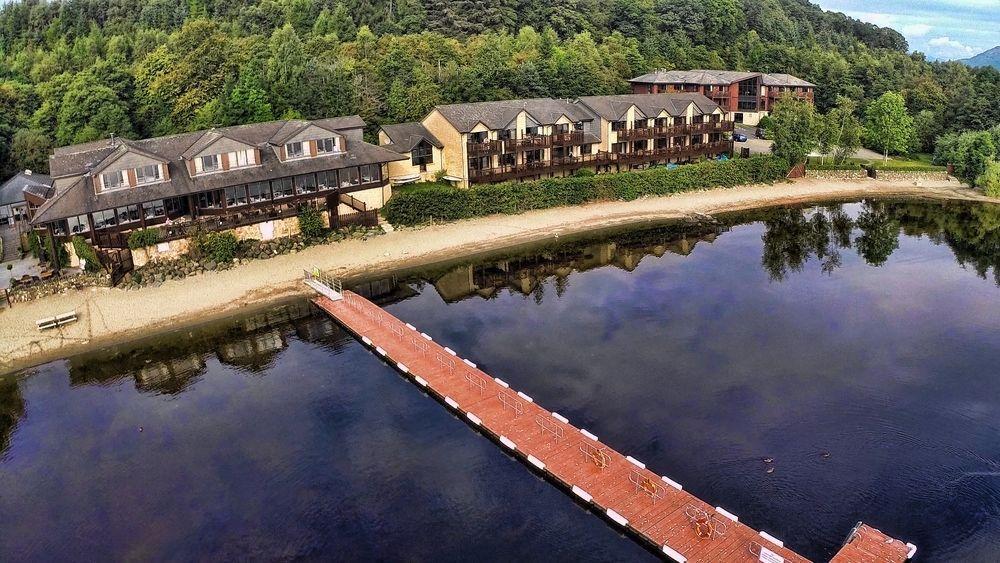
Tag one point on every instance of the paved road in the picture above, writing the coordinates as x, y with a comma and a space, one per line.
762, 146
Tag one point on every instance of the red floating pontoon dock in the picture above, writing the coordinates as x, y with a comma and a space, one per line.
649, 506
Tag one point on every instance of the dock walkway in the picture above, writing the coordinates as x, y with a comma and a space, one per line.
649, 506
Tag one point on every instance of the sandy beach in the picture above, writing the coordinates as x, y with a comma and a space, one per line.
110, 315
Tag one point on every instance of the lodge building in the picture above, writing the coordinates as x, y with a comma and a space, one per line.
747, 96
256, 176
543, 137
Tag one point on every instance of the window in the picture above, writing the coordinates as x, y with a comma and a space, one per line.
586, 149
305, 184
371, 173
153, 209
639, 124
349, 177
210, 200
259, 191
282, 187
326, 180
618, 148
127, 214
294, 150
680, 121
210, 163
507, 134
78, 224
533, 156
176, 206
639, 145
236, 196
479, 137
533, 130
114, 180
240, 159
422, 154
326, 146
105, 219
618, 125
508, 159
147, 174
561, 128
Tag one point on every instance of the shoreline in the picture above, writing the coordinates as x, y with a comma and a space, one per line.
110, 315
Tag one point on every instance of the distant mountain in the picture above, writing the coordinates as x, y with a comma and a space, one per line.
986, 58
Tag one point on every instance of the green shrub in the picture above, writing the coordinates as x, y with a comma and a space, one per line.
143, 237
311, 222
989, 180
220, 247
84, 251
35, 244
445, 203
60, 249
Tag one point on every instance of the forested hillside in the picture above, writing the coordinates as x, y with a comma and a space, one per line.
78, 70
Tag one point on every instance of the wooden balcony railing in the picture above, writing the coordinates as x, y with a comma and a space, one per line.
484, 148
636, 134
568, 138
528, 142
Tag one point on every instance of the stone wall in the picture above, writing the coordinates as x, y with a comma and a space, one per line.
836, 174
887, 175
161, 252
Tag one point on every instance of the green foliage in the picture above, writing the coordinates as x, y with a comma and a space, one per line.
29, 150
435, 202
970, 153
843, 130
879, 236
888, 126
989, 180
49, 245
35, 245
311, 222
795, 129
141, 238
220, 247
84, 251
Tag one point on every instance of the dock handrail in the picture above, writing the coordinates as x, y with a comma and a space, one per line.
706, 525
643, 484
476, 380
508, 400
551, 426
596, 455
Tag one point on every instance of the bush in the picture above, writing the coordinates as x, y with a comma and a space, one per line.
311, 222
84, 251
445, 203
989, 180
220, 247
143, 238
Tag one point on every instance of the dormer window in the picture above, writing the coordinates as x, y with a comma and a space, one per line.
327, 146
147, 174
114, 180
210, 163
294, 150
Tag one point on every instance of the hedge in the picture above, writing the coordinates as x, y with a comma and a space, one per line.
84, 251
142, 238
444, 203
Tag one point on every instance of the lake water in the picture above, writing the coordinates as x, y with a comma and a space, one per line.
856, 345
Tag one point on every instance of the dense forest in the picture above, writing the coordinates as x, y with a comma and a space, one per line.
78, 70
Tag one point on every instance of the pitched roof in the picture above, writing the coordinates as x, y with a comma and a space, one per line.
12, 191
404, 136
698, 76
80, 159
777, 79
716, 77
613, 108
499, 114
72, 166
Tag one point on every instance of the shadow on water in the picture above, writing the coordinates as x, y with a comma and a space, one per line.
636, 333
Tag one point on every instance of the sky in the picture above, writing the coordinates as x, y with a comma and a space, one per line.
942, 29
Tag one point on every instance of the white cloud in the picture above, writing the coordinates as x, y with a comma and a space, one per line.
946, 42
916, 30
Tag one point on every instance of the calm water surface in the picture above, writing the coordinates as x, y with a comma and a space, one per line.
857, 345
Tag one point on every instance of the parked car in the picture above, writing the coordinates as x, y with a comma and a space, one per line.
739, 137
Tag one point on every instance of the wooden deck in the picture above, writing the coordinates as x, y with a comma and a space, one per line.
649, 506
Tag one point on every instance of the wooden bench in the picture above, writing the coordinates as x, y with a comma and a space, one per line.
56, 321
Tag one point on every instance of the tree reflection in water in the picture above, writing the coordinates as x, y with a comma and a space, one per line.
793, 237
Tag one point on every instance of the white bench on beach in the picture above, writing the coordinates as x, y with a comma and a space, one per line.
56, 321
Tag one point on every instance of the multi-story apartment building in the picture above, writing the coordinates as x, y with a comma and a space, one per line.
545, 137
748, 96
255, 176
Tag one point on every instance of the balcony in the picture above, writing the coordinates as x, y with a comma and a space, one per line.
636, 134
568, 138
484, 148
529, 142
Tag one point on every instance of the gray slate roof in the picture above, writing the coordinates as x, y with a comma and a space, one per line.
612, 108
499, 114
404, 136
716, 77
78, 197
12, 191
